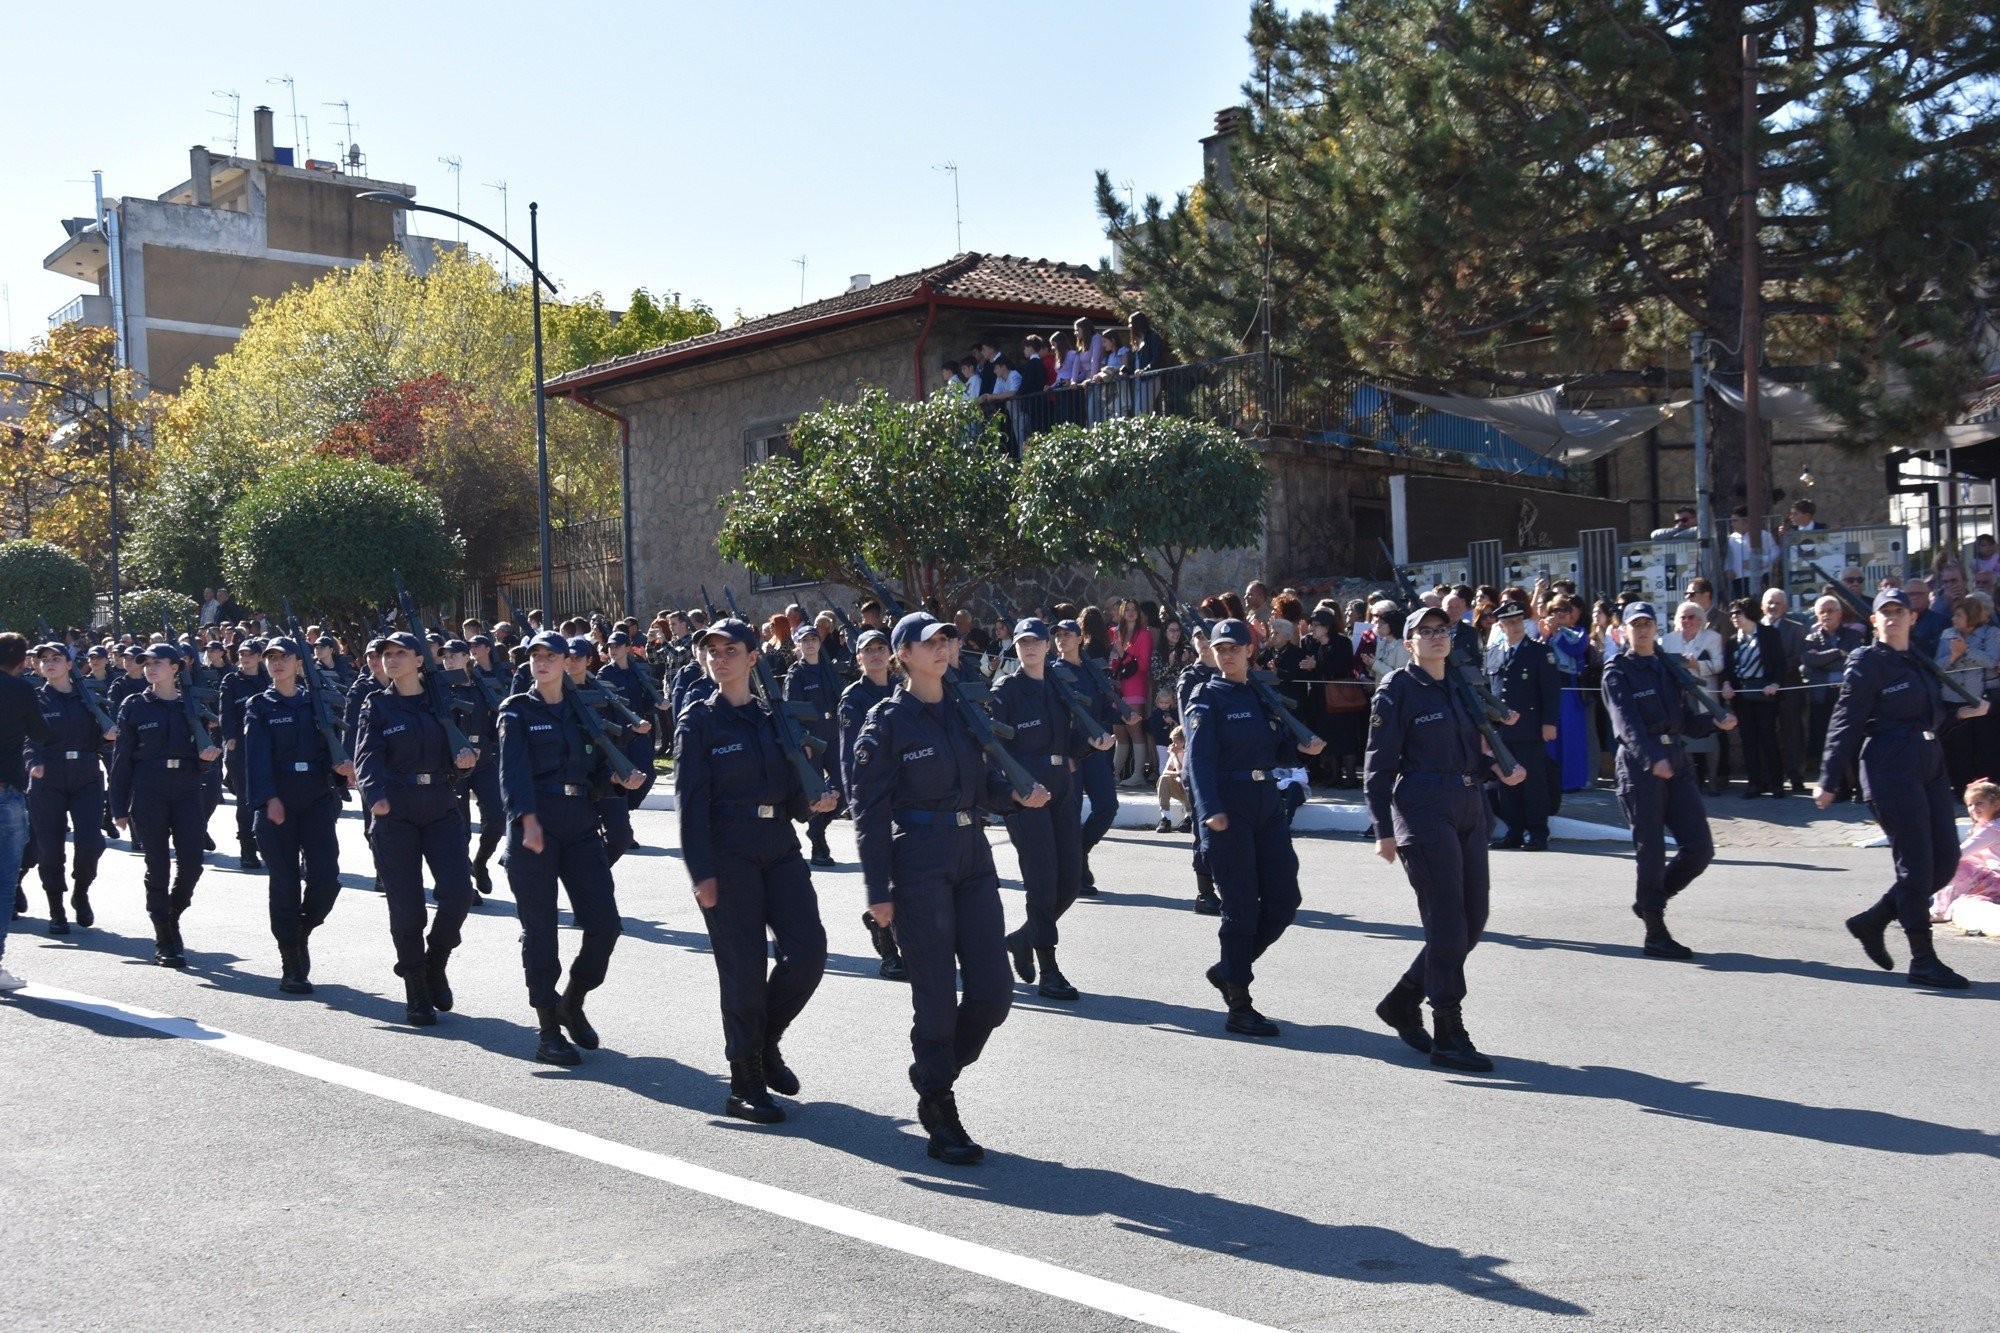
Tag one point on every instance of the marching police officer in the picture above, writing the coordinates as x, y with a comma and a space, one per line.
66, 787
1048, 839
691, 682
614, 816
157, 789
1657, 784
240, 684
1198, 673
1096, 777
737, 796
630, 677
814, 682
1530, 687
921, 785
552, 777
407, 771
1235, 748
871, 656
289, 782
1422, 776
482, 784
1890, 711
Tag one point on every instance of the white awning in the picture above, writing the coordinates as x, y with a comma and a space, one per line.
1789, 405
1539, 421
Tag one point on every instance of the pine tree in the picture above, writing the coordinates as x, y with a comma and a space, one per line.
1446, 180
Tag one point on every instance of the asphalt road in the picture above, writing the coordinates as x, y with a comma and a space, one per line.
1774, 1136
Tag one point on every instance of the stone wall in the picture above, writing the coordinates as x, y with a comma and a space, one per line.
1849, 486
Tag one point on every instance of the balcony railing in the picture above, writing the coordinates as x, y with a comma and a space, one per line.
86, 309
1249, 395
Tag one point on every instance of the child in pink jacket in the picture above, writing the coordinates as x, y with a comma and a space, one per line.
1972, 900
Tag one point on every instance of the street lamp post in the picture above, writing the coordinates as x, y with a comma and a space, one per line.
536, 279
111, 428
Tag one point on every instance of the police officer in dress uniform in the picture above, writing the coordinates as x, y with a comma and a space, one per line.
1048, 839
1198, 673
482, 784
289, 784
736, 797
1890, 710
622, 673
240, 684
1235, 747
871, 656
1528, 684
213, 659
156, 788
691, 682
1657, 784
552, 778
1422, 777
66, 787
921, 788
814, 682
614, 816
1097, 779
407, 772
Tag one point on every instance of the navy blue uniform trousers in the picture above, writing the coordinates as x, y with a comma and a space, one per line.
1904, 778
170, 803
302, 863
1256, 872
1049, 843
1099, 782
573, 855
762, 883
423, 827
949, 926
1445, 861
55, 809
1656, 806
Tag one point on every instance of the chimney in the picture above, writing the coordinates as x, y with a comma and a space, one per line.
858, 281
267, 137
199, 176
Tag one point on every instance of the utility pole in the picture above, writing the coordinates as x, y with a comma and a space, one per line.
1756, 492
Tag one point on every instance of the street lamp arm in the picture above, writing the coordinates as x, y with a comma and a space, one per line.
69, 394
395, 200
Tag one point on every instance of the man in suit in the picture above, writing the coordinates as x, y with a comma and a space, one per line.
1794, 762
1528, 683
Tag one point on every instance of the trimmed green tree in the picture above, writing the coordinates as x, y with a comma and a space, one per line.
42, 579
919, 490
144, 609
327, 532
1139, 494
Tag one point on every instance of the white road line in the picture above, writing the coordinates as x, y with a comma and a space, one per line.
1016, 1270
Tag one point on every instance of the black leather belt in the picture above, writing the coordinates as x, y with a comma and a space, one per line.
564, 789
1248, 775
747, 810
948, 818
423, 779
175, 763
72, 754
1447, 779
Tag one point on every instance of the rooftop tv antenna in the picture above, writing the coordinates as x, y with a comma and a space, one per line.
801, 262
456, 166
506, 261
346, 123
301, 139
957, 216
234, 115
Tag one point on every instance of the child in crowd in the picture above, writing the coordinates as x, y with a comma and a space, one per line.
1173, 786
1160, 724
1972, 900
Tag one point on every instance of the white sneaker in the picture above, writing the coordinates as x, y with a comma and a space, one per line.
10, 982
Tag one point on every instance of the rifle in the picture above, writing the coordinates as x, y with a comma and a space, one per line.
987, 733
1059, 672
1691, 687
848, 629
1263, 682
798, 744
1469, 672
593, 727
521, 625
1853, 603
194, 697
890, 605
444, 701
708, 605
1480, 708
320, 691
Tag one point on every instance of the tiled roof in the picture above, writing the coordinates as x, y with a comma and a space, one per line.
971, 278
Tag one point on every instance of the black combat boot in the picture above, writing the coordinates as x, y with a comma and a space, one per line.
1926, 969
950, 1144
1205, 901
1452, 1048
417, 1006
163, 943
176, 946
86, 915
749, 1099
1023, 954
58, 919
1403, 1010
1659, 944
1243, 1015
822, 855
1869, 928
289, 981
248, 860
482, 879
884, 940
435, 961
1055, 986
1089, 887
553, 1048
571, 1014
778, 1075
304, 960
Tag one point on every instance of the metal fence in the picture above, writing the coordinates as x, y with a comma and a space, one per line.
1253, 395
587, 566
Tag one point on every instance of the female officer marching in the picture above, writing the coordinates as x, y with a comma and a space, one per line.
66, 787
1423, 778
289, 784
407, 772
921, 786
157, 789
551, 777
737, 797
871, 654
1235, 747
1656, 778
1049, 839
1890, 710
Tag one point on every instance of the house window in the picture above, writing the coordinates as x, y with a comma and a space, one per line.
762, 443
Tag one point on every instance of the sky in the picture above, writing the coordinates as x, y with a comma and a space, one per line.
691, 148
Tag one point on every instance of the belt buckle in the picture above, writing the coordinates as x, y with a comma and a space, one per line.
1259, 775
767, 812
573, 789
961, 818
301, 766
1465, 779
173, 763
72, 754
473, 737
1930, 735
422, 779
